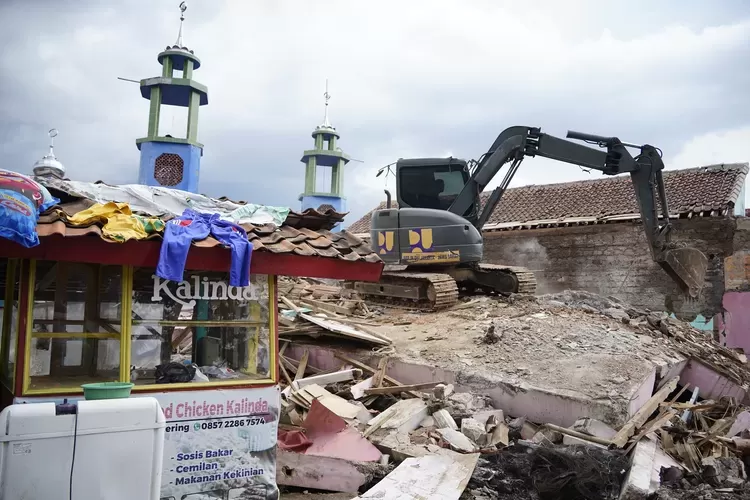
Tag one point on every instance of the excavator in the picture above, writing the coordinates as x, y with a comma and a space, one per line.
432, 243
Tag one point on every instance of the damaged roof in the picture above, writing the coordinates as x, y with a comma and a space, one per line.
306, 234
710, 190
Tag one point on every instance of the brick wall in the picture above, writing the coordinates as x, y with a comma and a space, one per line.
614, 259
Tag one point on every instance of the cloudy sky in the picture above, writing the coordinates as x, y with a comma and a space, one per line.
408, 78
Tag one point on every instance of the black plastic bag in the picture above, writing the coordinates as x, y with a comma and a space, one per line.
174, 373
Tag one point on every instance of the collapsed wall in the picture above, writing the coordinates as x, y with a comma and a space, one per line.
615, 260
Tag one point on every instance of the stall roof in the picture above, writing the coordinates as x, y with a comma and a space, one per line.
273, 229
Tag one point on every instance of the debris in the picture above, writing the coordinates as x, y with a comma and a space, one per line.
640, 417
457, 441
442, 391
401, 388
547, 436
443, 419
474, 431
330, 436
490, 337
434, 477
327, 378
325, 473
728, 472
403, 416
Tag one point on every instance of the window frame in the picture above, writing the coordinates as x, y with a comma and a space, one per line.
13, 270
125, 339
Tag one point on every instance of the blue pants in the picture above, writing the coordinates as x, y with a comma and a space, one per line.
180, 233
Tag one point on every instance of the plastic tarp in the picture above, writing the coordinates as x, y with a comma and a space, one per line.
159, 201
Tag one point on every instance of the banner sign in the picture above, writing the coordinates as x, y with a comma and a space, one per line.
219, 444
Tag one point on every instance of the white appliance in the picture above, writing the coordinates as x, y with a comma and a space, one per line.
102, 450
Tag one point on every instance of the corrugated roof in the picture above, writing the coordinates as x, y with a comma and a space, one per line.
304, 234
696, 190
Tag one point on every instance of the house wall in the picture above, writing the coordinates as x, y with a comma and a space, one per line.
615, 259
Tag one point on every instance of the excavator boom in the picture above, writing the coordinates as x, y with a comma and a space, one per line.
436, 231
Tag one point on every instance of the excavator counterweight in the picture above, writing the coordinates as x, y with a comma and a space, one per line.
432, 243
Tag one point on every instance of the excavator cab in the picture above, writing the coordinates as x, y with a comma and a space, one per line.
432, 183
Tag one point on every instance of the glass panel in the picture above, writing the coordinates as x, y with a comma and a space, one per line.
216, 353
68, 362
74, 298
431, 186
9, 314
202, 296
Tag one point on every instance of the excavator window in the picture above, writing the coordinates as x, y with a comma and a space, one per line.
431, 186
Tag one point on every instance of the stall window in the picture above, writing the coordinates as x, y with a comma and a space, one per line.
10, 282
74, 335
200, 329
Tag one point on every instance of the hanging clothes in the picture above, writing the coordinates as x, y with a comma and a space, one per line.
118, 222
191, 226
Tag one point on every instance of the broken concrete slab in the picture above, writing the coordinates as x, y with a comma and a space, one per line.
547, 436
434, 477
728, 472
473, 430
405, 416
324, 473
592, 427
644, 476
444, 419
457, 441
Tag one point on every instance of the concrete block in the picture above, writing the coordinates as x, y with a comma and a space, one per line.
473, 430
457, 441
443, 419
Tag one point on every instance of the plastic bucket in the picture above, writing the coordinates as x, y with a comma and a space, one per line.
107, 390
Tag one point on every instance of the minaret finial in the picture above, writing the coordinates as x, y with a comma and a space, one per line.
52, 134
183, 8
327, 97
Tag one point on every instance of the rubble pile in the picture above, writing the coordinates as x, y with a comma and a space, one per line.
350, 426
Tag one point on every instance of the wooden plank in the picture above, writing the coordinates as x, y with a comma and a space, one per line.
325, 306
401, 388
377, 380
371, 370
436, 477
302, 365
640, 417
344, 330
284, 372
579, 435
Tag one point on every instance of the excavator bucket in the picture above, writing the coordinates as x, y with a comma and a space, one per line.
687, 266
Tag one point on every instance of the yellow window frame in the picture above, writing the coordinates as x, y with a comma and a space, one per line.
126, 343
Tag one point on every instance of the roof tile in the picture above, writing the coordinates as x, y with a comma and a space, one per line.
702, 189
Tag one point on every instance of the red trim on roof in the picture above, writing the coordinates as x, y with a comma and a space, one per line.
146, 254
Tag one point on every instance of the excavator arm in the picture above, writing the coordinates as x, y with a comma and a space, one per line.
687, 266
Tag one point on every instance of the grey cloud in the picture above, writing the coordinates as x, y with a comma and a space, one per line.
408, 78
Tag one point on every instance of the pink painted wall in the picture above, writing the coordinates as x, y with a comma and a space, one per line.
734, 327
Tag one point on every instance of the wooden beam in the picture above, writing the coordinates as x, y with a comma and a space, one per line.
641, 416
377, 380
401, 388
371, 370
302, 365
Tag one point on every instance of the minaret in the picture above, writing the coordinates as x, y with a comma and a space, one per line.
49, 165
329, 157
165, 160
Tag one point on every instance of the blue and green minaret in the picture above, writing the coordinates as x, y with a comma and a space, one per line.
165, 160
325, 156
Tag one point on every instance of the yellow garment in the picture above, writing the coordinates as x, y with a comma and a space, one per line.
118, 222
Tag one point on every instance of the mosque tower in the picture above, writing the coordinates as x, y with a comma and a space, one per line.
165, 160
324, 158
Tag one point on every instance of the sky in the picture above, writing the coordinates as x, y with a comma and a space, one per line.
407, 78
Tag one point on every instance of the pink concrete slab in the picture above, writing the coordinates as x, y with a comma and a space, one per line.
331, 437
711, 385
734, 323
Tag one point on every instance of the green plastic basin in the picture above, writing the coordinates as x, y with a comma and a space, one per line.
107, 390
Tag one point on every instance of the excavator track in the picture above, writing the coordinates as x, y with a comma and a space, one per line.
526, 278
436, 291
424, 291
